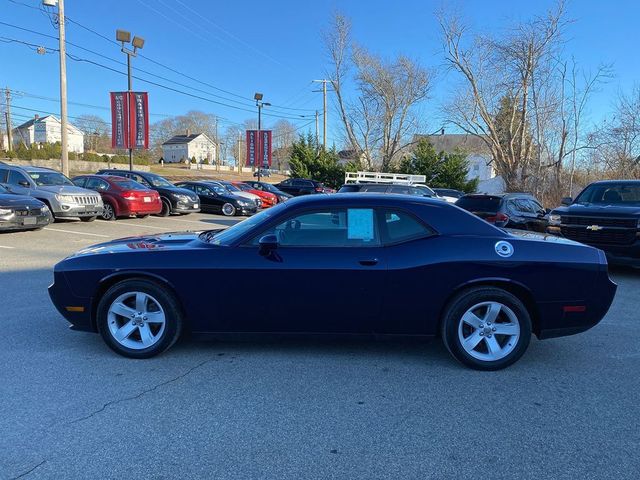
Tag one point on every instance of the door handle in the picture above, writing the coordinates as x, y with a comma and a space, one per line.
369, 262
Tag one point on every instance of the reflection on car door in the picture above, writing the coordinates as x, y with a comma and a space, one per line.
326, 276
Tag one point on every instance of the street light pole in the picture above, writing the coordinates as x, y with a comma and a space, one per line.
260, 104
138, 42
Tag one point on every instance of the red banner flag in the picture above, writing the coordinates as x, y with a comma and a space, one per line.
130, 120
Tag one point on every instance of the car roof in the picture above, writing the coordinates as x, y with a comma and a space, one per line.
29, 168
140, 172
365, 199
609, 182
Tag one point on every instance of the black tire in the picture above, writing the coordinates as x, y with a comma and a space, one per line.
231, 210
87, 219
169, 303
142, 216
452, 325
108, 212
166, 208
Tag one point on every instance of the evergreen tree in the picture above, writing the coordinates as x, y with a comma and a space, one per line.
309, 160
444, 170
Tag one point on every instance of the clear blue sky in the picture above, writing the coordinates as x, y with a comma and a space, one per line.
274, 47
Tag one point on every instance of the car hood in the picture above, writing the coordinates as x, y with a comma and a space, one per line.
539, 237
248, 195
599, 210
12, 201
65, 190
144, 243
177, 191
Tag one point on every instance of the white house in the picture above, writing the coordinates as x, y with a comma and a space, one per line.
48, 130
182, 147
478, 156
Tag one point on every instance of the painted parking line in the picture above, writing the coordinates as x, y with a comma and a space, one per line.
126, 224
77, 233
2, 246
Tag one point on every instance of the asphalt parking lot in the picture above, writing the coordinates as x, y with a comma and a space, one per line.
70, 408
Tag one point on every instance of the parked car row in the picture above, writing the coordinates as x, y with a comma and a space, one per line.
33, 197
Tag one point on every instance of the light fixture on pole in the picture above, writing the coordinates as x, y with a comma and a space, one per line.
259, 103
123, 37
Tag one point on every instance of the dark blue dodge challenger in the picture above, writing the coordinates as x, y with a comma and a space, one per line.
346, 264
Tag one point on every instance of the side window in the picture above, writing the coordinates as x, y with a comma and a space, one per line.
97, 184
338, 227
187, 186
536, 206
298, 183
79, 182
399, 226
511, 205
15, 177
287, 182
524, 205
3, 175
200, 190
401, 189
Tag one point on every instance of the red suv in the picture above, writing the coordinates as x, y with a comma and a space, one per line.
122, 197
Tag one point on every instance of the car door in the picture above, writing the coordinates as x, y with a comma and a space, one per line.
209, 201
326, 276
17, 182
413, 253
287, 187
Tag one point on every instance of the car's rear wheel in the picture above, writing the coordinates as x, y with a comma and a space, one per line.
166, 208
228, 209
138, 318
108, 212
87, 219
486, 328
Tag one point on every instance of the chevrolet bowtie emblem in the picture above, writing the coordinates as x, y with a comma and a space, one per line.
594, 228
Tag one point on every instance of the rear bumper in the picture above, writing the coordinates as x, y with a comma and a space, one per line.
141, 208
559, 319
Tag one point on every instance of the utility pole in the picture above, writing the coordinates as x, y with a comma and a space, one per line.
324, 82
7, 115
317, 134
63, 89
239, 152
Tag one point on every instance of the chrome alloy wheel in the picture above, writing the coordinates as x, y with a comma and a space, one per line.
107, 212
489, 331
228, 209
136, 320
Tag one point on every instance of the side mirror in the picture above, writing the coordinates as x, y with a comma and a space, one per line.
268, 244
567, 201
24, 183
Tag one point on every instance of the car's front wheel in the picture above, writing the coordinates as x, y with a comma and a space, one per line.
486, 328
166, 208
138, 318
228, 209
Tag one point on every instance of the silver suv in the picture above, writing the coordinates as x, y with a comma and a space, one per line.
64, 199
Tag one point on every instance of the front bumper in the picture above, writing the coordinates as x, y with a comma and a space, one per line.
15, 222
616, 254
244, 210
76, 310
76, 211
181, 207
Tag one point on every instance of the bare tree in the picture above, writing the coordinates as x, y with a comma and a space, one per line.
495, 68
96, 132
379, 119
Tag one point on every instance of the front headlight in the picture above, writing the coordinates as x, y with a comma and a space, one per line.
5, 211
44, 208
555, 219
65, 198
180, 197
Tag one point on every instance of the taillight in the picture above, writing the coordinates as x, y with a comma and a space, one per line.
129, 195
319, 189
498, 217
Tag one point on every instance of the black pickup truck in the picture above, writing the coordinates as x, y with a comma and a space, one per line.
605, 215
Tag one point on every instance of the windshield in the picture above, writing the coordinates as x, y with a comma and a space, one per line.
611, 194
242, 187
479, 204
231, 234
49, 178
231, 187
158, 181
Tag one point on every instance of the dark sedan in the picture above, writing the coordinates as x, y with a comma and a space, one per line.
302, 186
215, 198
174, 200
354, 264
21, 212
